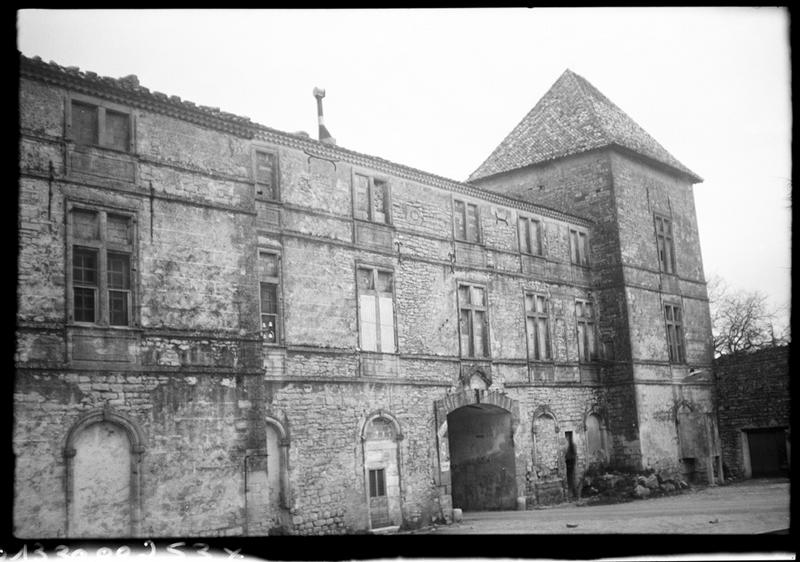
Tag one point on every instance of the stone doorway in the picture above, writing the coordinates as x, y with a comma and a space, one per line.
767, 449
482, 465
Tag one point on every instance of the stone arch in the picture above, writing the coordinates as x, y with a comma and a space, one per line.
380, 435
682, 406
135, 439
279, 426
543, 411
477, 374
398, 433
285, 500
456, 400
451, 402
267, 497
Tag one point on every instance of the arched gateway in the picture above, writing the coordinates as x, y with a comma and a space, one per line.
475, 434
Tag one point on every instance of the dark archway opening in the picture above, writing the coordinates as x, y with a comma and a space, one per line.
482, 458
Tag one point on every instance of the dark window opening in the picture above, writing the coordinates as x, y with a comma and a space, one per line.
674, 323
269, 303
466, 221
473, 321
579, 254
537, 325
666, 246
371, 199
101, 283
377, 483
95, 125
587, 336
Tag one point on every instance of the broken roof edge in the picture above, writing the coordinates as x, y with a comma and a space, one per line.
125, 88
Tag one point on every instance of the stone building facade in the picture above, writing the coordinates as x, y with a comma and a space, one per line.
754, 412
225, 329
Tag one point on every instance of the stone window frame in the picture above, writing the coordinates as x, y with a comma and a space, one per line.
137, 443
675, 335
376, 269
478, 233
589, 323
472, 309
102, 107
276, 281
372, 179
528, 247
398, 438
579, 246
665, 243
538, 315
103, 248
276, 172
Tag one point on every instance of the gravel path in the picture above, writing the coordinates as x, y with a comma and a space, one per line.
748, 507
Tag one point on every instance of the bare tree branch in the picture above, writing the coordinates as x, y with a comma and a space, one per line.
741, 320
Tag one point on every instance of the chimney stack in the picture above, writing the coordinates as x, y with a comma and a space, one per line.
324, 135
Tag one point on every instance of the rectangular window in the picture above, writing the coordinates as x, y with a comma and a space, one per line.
377, 483
269, 284
666, 248
101, 280
473, 321
537, 326
84, 283
587, 336
371, 199
119, 288
530, 236
466, 221
92, 124
265, 174
672, 316
376, 310
578, 247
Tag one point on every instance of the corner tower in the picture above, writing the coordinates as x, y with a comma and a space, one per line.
578, 152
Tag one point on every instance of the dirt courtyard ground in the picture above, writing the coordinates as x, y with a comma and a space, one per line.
746, 507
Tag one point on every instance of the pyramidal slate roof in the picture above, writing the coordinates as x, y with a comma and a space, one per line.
573, 117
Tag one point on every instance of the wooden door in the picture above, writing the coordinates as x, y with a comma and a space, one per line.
767, 452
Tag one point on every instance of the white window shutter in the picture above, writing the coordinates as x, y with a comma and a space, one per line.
368, 323
387, 324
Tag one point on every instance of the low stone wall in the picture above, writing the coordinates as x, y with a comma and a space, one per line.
753, 393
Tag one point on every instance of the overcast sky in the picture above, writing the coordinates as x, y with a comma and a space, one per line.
439, 89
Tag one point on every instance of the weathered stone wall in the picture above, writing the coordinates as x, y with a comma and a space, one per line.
231, 435
640, 191
752, 393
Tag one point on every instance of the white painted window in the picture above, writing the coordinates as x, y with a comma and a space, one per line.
376, 310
